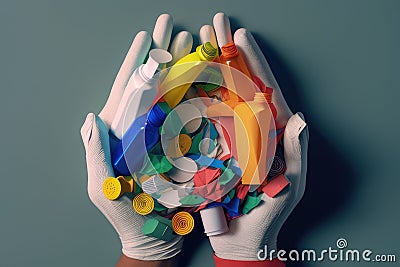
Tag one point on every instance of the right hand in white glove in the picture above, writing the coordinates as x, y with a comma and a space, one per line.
120, 214
250, 233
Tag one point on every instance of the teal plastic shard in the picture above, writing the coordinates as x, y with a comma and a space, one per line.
158, 228
164, 220
194, 149
232, 193
164, 107
250, 203
192, 200
234, 166
213, 132
155, 164
226, 177
158, 206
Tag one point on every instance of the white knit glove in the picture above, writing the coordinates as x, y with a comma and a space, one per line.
94, 131
251, 232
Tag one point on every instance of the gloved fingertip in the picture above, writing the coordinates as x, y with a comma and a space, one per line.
242, 33
93, 129
295, 125
294, 144
305, 134
86, 129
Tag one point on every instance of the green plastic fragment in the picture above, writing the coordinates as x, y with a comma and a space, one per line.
231, 193
164, 107
250, 203
194, 149
158, 206
164, 220
155, 164
158, 228
192, 200
226, 176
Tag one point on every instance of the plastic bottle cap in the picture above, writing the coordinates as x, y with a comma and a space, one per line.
156, 57
207, 51
229, 50
214, 221
114, 188
143, 203
182, 223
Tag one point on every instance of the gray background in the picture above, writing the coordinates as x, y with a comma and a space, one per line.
337, 61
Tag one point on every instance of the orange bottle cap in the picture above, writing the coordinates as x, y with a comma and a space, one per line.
229, 50
182, 223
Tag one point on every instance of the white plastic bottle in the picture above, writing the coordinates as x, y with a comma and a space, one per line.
138, 94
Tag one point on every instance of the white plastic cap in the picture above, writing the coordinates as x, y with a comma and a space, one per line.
156, 57
214, 221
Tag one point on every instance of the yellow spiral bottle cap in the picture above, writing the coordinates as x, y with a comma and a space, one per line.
182, 223
143, 203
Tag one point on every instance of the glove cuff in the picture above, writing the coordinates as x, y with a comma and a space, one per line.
219, 262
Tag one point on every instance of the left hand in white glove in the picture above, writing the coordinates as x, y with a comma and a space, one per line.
94, 131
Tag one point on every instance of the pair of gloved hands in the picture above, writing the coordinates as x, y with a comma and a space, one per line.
249, 233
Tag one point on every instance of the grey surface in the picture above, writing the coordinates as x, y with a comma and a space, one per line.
337, 61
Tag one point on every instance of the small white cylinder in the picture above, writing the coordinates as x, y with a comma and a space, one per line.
214, 221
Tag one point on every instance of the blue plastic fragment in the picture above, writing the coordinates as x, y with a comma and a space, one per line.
227, 199
213, 131
231, 208
138, 139
157, 115
208, 162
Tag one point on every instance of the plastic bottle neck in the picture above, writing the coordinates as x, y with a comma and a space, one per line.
229, 50
156, 57
207, 51
142, 73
